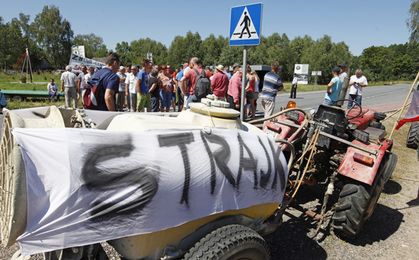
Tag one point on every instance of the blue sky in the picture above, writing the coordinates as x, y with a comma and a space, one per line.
359, 23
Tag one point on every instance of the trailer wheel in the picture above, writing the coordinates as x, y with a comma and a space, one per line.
230, 242
357, 201
413, 136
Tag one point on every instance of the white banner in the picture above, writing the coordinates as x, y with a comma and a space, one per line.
77, 60
87, 186
78, 50
301, 68
302, 73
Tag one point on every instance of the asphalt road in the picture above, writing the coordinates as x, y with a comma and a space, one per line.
380, 98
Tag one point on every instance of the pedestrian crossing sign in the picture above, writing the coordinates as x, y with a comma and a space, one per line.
245, 25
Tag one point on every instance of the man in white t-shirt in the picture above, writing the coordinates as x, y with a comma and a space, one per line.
70, 87
356, 83
294, 84
130, 83
120, 96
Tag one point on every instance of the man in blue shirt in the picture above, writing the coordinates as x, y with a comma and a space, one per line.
107, 82
142, 86
333, 88
180, 95
272, 83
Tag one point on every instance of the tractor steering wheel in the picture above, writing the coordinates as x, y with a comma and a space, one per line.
354, 104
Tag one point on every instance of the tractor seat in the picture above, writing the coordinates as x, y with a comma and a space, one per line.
375, 133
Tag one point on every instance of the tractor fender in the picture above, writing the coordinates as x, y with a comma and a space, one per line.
362, 171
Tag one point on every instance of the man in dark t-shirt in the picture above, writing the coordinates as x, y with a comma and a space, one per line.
154, 91
108, 83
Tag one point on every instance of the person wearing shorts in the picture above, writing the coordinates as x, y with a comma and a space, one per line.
142, 86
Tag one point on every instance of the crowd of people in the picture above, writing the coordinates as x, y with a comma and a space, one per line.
154, 88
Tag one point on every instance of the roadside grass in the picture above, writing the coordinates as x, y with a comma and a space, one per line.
23, 86
407, 163
33, 103
37, 77
12, 81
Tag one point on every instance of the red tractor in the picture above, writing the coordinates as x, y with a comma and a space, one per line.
344, 152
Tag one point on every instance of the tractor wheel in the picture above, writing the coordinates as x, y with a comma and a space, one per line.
357, 201
413, 136
230, 242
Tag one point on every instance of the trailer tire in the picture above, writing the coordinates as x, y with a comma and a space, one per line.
230, 242
413, 136
357, 201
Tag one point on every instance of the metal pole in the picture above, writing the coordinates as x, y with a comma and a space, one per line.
243, 84
30, 66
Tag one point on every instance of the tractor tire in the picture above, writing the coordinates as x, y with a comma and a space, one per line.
230, 242
357, 201
413, 136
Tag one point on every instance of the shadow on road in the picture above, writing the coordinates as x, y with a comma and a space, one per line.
392, 187
383, 223
290, 241
414, 202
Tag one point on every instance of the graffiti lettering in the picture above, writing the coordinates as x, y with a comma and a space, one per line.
142, 180
181, 140
212, 164
221, 155
264, 177
246, 163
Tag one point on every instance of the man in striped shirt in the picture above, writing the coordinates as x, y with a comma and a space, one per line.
272, 83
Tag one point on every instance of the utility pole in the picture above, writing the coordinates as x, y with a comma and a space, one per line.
27, 66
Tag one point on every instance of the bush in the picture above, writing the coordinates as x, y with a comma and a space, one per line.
23, 79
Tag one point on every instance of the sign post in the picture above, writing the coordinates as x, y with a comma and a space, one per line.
316, 73
245, 30
243, 93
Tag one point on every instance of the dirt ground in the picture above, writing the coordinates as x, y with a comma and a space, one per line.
391, 233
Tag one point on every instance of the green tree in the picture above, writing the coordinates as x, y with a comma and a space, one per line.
211, 49
139, 49
53, 34
23, 23
93, 45
413, 21
37, 55
259, 54
230, 55
397, 61
324, 54
376, 62
183, 48
12, 43
124, 51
